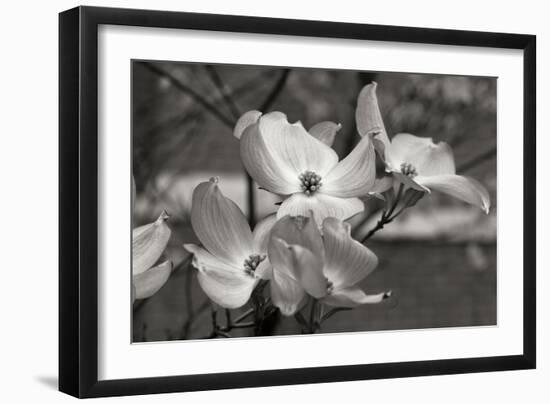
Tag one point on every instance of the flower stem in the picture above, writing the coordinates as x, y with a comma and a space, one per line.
386, 215
313, 323
379, 225
244, 315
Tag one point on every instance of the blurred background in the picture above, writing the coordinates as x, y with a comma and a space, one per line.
438, 258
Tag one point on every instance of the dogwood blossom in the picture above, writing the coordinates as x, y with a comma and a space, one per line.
148, 243
327, 267
285, 159
232, 258
416, 162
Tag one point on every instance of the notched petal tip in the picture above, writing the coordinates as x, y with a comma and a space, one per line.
148, 243
325, 131
247, 119
485, 198
367, 113
464, 188
353, 296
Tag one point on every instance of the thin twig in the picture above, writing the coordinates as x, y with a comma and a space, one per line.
477, 160
191, 321
222, 88
228, 322
333, 311
188, 304
189, 91
301, 320
379, 226
243, 325
244, 315
182, 264
386, 216
277, 88
269, 100
312, 325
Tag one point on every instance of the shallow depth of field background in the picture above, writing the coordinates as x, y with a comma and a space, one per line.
438, 258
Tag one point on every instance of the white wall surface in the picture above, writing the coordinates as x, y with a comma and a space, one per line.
28, 202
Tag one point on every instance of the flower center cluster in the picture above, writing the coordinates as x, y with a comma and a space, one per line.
330, 286
409, 170
311, 182
252, 262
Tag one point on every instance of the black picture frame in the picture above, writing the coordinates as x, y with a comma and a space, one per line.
78, 196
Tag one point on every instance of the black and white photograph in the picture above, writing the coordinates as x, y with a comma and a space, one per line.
272, 201
275, 202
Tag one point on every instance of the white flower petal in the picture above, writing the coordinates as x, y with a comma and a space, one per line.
300, 230
463, 188
226, 289
355, 175
382, 184
427, 157
286, 293
347, 261
262, 231
226, 285
300, 264
367, 114
247, 119
203, 258
268, 170
325, 131
321, 205
148, 243
353, 297
220, 225
293, 145
147, 283
380, 149
264, 270
409, 182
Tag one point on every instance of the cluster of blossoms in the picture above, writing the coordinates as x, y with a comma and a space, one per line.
305, 248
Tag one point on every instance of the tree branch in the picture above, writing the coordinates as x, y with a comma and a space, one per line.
275, 91
189, 91
477, 160
224, 92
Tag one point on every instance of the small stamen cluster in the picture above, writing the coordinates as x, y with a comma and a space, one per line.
311, 182
330, 286
409, 170
252, 262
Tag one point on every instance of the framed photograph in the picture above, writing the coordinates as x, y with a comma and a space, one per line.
252, 201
